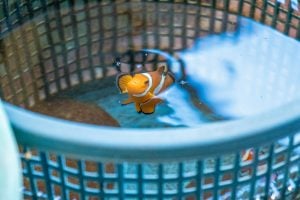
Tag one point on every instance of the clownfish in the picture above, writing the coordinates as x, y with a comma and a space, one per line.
143, 88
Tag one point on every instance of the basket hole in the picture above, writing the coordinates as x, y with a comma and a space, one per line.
55, 175
110, 170
294, 172
86, 74
262, 168
110, 71
260, 187
125, 68
72, 67
42, 94
279, 161
73, 195
31, 100
189, 185
208, 182
227, 162
49, 68
245, 173
74, 79
207, 195
297, 138
71, 56
63, 83
90, 168
225, 194
263, 152
209, 165
71, 165
26, 184
281, 145
131, 188
83, 40
226, 178
130, 171
92, 186
170, 170
83, 54
60, 61
150, 171
53, 88
246, 157
189, 168
295, 154
57, 191
243, 192
52, 159
72, 181
58, 50
170, 188
111, 187
40, 187
98, 72
277, 178
150, 188
37, 169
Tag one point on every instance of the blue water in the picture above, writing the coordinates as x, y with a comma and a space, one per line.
231, 75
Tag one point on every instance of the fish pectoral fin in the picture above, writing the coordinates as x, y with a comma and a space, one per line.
151, 96
138, 107
127, 101
122, 80
162, 69
149, 106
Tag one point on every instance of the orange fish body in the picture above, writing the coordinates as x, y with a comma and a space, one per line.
142, 88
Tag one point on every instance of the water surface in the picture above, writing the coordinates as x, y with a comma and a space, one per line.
229, 76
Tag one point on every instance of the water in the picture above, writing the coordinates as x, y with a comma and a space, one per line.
176, 110
228, 76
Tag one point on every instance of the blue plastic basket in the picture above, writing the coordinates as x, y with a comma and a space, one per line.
69, 160
10, 170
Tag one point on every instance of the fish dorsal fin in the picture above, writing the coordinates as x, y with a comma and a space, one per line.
122, 81
162, 69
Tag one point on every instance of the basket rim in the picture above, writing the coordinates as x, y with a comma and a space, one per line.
82, 140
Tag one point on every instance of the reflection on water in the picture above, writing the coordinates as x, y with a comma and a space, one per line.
247, 72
